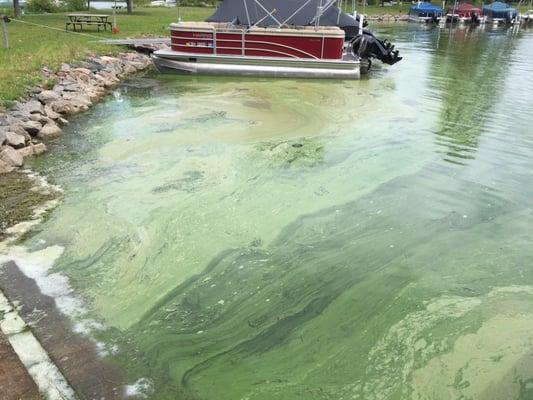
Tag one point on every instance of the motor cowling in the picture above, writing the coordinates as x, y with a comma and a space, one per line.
367, 46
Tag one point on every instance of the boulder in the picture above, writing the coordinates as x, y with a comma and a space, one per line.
50, 129
42, 119
50, 113
2, 137
30, 107
84, 71
11, 157
108, 60
32, 127
32, 150
5, 167
20, 115
72, 87
39, 148
47, 96
62, 107
15, 140
62, 121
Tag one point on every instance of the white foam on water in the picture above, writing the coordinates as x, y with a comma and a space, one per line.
37, 265
143, 387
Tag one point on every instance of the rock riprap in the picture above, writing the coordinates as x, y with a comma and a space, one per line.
77, 87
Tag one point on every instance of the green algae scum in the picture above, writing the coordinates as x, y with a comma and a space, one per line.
248, 239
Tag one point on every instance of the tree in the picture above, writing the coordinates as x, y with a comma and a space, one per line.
129, 4
16, 6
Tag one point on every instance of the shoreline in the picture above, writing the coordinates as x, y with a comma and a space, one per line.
27, 126
26, 198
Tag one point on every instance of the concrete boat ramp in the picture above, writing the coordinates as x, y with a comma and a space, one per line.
41, 357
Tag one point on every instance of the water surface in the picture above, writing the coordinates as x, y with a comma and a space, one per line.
300, 239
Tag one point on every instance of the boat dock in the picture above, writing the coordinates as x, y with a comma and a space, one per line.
147, 45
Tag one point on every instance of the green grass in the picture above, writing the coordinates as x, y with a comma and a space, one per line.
33, 47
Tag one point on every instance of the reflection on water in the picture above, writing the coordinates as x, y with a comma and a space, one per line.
278, 239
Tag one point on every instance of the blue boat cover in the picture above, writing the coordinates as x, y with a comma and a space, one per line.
499, 10
425, 7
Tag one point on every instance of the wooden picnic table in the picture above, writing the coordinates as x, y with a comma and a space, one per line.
98, 20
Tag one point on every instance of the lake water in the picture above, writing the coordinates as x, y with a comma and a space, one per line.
299, 239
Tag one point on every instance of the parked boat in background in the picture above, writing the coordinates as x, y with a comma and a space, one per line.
280, 38
425, 12
465, 13
500, 13
527, 17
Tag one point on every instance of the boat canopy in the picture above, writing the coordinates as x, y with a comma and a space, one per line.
426, 9
499, 10
267, 13
465, 8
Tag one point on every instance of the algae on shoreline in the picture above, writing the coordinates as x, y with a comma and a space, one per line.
19, 197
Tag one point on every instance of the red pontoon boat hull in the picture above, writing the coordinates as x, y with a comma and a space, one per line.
223, 49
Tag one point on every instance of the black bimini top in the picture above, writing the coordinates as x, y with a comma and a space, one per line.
286, 12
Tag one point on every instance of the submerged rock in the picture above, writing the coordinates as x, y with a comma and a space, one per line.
5, 167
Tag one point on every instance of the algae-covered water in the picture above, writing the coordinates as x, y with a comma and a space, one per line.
296, 239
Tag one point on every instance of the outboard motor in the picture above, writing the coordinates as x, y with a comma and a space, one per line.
367, 46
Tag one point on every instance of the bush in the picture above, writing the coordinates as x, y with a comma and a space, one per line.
75, 5
42, 6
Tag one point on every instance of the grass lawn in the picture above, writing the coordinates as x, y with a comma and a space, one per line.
33, 47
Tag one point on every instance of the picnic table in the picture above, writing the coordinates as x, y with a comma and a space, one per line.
98, 20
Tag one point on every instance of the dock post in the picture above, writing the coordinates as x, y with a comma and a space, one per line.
3, 21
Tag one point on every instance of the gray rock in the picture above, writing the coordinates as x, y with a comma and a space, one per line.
39, 148
62, 107
73, 87
32, 106
84, 71
17, 128
11, 157
2, 137
50, 129
62, 121
32, 150
5, 167
47, 96
32, 127
15, 140
19, 115
51, 113
42, 119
